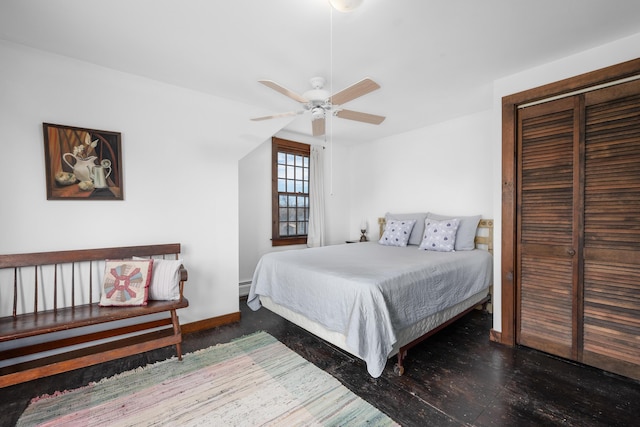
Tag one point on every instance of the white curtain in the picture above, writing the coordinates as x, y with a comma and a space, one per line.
315, 233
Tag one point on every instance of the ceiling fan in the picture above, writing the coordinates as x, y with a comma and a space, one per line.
318, 102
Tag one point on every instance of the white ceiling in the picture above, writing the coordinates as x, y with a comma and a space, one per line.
434, 59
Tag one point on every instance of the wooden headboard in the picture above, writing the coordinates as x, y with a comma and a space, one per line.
484, 233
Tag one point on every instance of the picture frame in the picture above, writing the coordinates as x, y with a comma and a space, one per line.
82, 164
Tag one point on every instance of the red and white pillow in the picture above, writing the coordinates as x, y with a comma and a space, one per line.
126, 282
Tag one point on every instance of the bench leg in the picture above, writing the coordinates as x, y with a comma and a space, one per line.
176, 331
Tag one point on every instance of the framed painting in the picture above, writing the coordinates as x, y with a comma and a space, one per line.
82, 164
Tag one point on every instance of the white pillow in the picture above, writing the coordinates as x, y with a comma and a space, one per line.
440, 235
165, 279
397, 232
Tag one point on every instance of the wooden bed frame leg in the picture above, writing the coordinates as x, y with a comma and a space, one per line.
398, 368
485, 304
176, 331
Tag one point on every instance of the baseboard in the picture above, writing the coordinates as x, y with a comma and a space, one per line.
495, 336
201, 325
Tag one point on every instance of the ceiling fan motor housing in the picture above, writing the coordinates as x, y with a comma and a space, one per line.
317, 97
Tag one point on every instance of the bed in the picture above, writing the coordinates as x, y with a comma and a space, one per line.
374, 300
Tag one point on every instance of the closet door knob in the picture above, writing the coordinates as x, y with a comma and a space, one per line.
571, 252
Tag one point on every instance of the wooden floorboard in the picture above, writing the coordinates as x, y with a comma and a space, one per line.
458, 377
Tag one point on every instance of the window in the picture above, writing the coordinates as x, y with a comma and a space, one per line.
290, 192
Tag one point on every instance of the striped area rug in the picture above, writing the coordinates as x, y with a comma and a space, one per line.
252, 381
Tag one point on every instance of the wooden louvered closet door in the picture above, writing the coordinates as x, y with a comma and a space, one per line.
547, 241
578, 228
612, 229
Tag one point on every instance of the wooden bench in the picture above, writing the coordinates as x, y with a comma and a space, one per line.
82, 332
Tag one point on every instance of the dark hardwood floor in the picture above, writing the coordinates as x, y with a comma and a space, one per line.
455, 378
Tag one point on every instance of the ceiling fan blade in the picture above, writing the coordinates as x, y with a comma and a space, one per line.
360, 117
354, 91
283, 90
317, 127
277, 116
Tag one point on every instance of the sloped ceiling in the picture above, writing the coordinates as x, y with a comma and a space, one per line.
434, 59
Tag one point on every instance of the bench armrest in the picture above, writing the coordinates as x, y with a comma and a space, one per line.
183, 278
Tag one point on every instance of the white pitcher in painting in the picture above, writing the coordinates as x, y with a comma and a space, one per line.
99, 176
81, 167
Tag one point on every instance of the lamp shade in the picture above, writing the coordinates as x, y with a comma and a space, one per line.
345, 5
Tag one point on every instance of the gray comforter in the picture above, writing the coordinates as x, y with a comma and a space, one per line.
367, 291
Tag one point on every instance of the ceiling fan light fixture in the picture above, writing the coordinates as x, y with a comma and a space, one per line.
317, 113
345, 5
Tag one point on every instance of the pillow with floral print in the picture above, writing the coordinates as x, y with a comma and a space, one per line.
397, 232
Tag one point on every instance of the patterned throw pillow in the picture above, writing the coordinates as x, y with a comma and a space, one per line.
440, 235
466, 235
126, 282
418, 229
397, 232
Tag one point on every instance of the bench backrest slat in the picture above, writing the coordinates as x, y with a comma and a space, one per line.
91, 281
55, 287
15, 291
35, 290
73, 284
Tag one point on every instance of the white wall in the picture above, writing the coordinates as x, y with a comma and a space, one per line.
610, 54
445, 168
180, 158
255, 201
